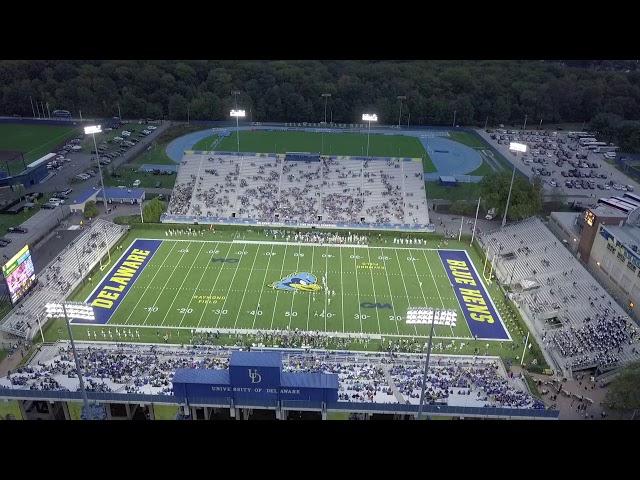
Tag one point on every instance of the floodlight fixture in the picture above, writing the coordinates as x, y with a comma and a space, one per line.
427, 315
72, 310
369, 117
91, 129
238, 113
518, 147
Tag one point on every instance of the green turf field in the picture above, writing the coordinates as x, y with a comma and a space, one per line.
263, 141
181, 288
33, 141
184, 287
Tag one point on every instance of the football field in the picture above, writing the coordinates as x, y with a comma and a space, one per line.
33, 141
269, 285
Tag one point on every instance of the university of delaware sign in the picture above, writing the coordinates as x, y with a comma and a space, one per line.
254, 378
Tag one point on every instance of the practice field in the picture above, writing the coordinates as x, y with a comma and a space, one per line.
255, 284
353, 144
33, 140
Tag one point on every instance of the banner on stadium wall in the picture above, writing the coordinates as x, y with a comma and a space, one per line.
477, 307
106, 297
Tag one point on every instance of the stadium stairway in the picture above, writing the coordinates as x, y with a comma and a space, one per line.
392, 384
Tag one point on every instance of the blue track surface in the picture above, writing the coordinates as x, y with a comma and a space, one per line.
450, 157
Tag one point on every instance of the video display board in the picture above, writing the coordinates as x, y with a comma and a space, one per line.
19, 274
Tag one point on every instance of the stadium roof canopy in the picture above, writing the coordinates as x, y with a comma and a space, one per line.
256, 359
115, 193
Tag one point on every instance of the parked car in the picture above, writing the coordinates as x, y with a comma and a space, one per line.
17, 230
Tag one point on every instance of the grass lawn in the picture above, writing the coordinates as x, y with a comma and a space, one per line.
190, 284
462, 191
483, 169
127, 174
344, 144
34, 141
75, 410
165, 412
468, 139
157, 153
9, 220
3, 353
10, 408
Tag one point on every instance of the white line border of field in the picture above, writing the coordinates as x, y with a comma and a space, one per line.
300, 244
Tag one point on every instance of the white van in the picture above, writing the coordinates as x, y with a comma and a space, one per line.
136, 183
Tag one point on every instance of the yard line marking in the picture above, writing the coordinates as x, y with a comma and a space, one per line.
405, 287
355, 265
341, 290
266, 271
214, 285
375, 299
436, 284
273, 315
159, 268
326, 276
293, 294
204, 270
309, 299
226, 297
393, 304
180, 287
245, 290
422, 291
164, 286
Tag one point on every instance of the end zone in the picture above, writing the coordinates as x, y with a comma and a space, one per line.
106, 297
476, 304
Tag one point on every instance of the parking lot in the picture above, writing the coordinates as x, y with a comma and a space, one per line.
72, 162
565, 167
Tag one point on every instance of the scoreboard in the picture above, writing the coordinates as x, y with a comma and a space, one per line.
19, 274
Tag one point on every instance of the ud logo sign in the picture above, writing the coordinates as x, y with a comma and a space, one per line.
255, 376
298, 282
375, 305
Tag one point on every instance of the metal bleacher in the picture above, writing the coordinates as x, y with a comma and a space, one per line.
61, 276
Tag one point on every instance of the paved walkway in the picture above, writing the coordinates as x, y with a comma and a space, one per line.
569, 397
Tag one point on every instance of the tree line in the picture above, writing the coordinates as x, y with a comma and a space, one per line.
290, 91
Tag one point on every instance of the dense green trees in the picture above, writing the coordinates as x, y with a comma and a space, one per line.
526, 198
503, 91
624, 390
153, 209
90, 209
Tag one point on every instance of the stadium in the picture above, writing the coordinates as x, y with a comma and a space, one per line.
298, 270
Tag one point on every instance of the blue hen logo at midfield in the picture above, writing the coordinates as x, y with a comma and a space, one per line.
298, 282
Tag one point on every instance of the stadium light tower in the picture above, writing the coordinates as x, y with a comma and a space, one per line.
369, 117
401, 98
76, 310
238, 114
514, 147
92, 130
326, 97
436, 317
